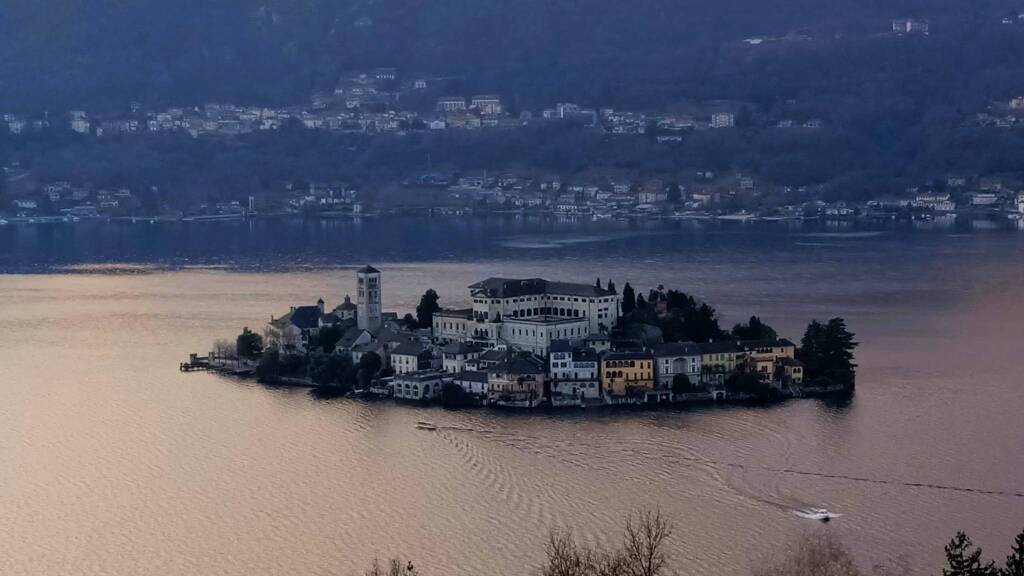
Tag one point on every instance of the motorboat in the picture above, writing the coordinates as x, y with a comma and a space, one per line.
819, 514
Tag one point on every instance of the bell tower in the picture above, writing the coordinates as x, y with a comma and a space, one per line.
368, 300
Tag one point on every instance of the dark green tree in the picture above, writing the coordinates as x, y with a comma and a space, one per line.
369, 365
427, 307
628, 299
700, 324
269, 366
249, 344
1015, 561
677, 300
810, 351
327, 339
827, 353
754, 329
749, 384
964, 559
838, 351
681, 384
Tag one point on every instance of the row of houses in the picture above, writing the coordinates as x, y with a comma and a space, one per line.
526, 343
575, 373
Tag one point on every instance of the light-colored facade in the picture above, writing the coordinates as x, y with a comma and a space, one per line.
510, 299
529, 314
410, 357
677, 358
424, 385
722, 120
368, 298
486, 105
472, 382
291, 332
454, 356
536, 334
718, 361
452, 325
451, 104
574, 370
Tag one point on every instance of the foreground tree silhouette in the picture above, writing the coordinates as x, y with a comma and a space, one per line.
1015, 561
642, 554
964, 559
822, 555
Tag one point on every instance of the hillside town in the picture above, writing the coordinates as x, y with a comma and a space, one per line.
385, 101
524, 343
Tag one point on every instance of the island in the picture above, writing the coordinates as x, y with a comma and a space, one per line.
530, 343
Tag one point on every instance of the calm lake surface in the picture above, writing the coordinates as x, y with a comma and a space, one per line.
113, 462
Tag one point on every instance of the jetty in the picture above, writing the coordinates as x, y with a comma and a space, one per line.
220, 365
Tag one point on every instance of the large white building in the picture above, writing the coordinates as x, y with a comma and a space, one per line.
529, 314
368, 298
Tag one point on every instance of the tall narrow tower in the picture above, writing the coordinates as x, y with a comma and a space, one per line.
368, 302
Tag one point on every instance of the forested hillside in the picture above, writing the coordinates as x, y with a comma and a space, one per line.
894, 109
64, 54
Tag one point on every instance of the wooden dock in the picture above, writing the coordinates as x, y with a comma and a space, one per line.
209, 363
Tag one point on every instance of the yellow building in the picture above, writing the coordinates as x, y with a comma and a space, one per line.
769, 349
718, 361
623, 373
762, 356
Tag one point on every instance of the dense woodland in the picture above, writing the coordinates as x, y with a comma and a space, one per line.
895, 109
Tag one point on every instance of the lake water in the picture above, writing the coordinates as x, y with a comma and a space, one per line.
113, 462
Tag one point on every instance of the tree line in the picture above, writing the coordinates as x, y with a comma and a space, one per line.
643, 551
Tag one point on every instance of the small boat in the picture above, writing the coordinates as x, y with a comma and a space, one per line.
425, 425
819, 514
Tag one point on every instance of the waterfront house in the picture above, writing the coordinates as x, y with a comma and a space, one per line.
472, 382
517, 382
626, 375
718, 361
573, 371
421, 385
677, 358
